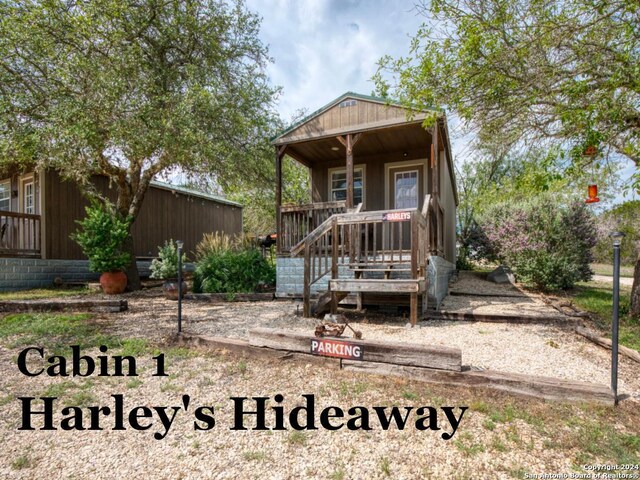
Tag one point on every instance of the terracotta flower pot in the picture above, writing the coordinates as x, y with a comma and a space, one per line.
113, 283
170, 288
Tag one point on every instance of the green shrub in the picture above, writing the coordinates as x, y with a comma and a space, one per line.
233, 271
166, 265
101, 236
547, 244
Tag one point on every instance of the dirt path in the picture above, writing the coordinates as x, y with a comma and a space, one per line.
606, 278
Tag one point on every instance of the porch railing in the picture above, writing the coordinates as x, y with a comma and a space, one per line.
297, 221
19, 234
368, 240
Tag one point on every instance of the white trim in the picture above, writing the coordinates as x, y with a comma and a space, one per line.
420, 162
27, 178
361, 166
7, 181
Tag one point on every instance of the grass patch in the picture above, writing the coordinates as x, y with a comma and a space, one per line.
21, 462
597, 298
54, 332
38, 293
297, 438
607, 269
467, 446
254, 456
385, 466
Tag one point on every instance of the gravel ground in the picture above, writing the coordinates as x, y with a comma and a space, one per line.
482, 448
486, 445
527, 349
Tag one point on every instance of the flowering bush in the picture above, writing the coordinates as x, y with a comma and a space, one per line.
546, 244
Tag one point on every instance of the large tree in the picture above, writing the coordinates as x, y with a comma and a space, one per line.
523, 71
133, 89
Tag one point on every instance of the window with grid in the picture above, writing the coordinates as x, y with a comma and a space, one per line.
339, 185
5, 195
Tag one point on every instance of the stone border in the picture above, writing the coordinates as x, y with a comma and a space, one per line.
102, 306
501, 318
228, 297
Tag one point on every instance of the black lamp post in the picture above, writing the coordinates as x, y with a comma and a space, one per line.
180, 244
617, 239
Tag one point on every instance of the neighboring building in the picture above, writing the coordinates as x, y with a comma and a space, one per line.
38, 212
382, 222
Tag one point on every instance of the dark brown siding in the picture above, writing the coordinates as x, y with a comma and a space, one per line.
375, 191
164, 215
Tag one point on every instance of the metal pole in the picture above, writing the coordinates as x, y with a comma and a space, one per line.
179, 288
614, 326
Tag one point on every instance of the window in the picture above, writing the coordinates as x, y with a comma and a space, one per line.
5, 195
348, 103
406, 189
338, 185
29, 198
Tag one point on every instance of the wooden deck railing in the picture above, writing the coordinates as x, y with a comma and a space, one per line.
297, 221
366, 240
19, 234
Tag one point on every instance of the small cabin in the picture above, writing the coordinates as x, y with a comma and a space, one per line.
381, 226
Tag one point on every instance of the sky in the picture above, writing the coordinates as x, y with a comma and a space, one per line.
324, 48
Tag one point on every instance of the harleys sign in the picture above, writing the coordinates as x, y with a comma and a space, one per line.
396, 216
336, 348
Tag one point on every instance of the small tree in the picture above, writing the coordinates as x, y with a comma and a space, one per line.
165, 267
101, 236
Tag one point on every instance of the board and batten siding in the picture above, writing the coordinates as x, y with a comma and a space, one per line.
164, 215
339, 120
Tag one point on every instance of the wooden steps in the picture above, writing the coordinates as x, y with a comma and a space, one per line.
370, 285
323, 304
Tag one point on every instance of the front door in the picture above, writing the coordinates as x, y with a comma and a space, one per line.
406, 192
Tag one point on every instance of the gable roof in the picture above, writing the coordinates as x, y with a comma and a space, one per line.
345, 96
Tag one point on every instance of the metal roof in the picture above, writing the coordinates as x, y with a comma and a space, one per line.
193, 193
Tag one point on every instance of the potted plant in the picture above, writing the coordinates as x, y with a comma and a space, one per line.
101, 237
165, 267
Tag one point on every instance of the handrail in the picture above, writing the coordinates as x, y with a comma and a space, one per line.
369, 240
320, 230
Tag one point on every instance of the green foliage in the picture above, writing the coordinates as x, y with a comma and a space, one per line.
525, 70
101, 236
135, 90
626, 219
233, 270
165, 267
547, 244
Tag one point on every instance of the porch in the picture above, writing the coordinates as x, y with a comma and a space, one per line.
382, 203
20, 235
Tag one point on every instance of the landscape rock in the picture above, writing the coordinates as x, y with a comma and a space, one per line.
501, 274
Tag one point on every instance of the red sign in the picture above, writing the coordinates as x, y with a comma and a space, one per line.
336, 348
396, 217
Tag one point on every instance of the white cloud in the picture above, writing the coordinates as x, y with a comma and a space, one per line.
323, 48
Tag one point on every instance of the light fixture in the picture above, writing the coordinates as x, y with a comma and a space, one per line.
335, 149
179, 244
405, 154
617, 238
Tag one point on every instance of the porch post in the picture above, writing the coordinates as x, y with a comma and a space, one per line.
349, 171
279, 154
349, 141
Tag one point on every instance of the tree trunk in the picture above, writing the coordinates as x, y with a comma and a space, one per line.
133, 277
635, 290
